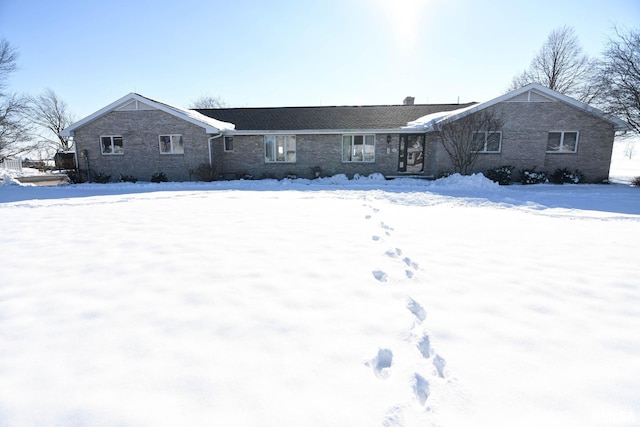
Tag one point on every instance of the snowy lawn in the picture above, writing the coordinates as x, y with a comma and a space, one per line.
325, 303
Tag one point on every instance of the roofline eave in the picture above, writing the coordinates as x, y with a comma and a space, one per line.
321, 131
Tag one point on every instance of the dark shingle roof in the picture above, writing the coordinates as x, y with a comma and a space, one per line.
324, 118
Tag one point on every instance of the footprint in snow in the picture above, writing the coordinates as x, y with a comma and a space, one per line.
410, 263
409, 273
394, 253
386, 228
439, 363
425, 347
381, 364
380, 275
375, 238
417, 310
421, 388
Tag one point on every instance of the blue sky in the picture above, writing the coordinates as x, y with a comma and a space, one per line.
289, 53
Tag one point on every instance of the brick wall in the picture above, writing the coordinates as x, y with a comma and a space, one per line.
524, 143
142, 158
324, 151
524, 140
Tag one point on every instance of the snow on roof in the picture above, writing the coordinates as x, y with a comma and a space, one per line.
213, 122
194, 115
210, 125
428, 122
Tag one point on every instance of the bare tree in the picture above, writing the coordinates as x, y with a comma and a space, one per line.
52, 114
465, 138
619, 77
15, 129
560, 65
207, 101
630, 149
8, 58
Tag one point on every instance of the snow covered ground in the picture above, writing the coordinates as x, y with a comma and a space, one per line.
321, 303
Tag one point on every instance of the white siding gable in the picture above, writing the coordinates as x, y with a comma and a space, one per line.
135, 105
531, 96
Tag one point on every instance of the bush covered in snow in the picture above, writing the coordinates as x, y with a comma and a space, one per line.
372, 177
501, 174
101, 178
565, 176
76, 177
128, 178
159, 177
532, 176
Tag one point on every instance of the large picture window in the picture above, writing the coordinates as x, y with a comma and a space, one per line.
358, 148
171, 144
280, 148
111, 144
487, 142
562, 142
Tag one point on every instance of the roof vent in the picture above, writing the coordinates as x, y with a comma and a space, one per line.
409, 100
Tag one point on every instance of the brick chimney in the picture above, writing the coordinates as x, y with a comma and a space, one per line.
409, 100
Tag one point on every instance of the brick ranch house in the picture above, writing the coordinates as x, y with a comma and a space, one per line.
137, 136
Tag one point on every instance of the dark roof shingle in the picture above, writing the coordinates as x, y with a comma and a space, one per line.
326, 118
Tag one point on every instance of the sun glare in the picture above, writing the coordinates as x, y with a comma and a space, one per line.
405, 18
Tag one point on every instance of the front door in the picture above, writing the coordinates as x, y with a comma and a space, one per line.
411, 154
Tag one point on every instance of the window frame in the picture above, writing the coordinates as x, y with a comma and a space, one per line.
286, 139
560, 149
171, 143
112, 144
486, 141
352, 153
228, 148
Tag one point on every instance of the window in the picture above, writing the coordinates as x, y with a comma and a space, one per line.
228, 143
280, 148
358, 148
171, 144
111, 144
487, 142
562, 142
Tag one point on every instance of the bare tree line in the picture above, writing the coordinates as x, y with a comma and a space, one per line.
14, 128
611, 82
29, 122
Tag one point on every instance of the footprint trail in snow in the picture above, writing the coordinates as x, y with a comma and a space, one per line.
419, 383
